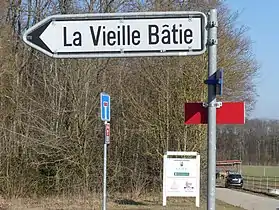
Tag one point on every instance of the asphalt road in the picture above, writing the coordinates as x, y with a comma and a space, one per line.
246, 200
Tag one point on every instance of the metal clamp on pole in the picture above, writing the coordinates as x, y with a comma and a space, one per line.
217, 105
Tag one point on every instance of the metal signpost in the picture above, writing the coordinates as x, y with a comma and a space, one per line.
105, 116
134, 35
211, 126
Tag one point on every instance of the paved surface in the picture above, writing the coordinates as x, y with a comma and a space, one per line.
246, 200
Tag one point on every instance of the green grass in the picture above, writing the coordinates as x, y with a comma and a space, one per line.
270, 171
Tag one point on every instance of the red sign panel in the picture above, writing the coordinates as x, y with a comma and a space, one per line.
228, 113
107, 129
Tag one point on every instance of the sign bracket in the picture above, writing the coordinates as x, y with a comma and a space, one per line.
216, 79
216, 104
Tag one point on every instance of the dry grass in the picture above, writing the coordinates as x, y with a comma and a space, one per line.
94, 202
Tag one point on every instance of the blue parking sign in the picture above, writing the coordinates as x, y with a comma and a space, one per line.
105, 107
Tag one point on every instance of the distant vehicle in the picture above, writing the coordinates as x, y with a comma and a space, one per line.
226, 167
234, 180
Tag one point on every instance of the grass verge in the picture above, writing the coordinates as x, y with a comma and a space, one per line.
114, 203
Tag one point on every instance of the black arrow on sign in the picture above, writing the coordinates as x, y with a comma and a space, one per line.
34, 36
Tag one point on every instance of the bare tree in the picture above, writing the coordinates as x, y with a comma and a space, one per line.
51, 134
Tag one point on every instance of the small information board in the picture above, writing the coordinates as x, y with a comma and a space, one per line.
181, 175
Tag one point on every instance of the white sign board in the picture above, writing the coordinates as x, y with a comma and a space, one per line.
181, 176
120, 34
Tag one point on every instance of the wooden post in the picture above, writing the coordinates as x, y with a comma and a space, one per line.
261, 184
267, 183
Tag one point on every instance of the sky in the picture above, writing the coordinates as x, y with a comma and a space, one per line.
262, 19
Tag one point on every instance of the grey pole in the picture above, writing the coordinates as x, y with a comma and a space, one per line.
105, 172
211, 132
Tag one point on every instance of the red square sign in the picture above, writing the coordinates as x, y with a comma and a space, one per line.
228, 113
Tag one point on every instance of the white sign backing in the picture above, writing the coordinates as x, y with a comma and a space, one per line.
181, 176
120, 34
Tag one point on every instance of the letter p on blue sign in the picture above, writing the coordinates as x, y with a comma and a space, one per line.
105, 107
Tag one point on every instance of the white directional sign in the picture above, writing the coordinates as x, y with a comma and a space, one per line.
120, 35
